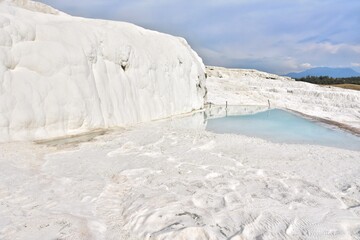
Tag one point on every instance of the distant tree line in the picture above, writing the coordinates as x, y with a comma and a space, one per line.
325, 80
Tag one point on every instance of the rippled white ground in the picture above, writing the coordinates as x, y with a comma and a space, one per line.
164, 181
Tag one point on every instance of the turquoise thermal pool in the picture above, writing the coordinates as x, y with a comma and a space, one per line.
284, 127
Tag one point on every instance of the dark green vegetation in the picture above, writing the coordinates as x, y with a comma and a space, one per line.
325, 80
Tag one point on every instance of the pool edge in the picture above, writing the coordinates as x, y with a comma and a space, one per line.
342, 126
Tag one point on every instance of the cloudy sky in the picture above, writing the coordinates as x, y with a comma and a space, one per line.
277, 36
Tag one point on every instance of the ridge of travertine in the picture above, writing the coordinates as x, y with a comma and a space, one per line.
33, 6
222, 72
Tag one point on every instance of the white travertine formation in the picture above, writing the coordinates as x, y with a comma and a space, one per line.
252, 87
62, 75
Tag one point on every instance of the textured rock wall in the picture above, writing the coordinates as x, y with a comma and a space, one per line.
62, 75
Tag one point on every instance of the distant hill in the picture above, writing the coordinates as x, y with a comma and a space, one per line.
326, 71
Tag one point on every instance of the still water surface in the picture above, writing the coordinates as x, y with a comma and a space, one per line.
284, 127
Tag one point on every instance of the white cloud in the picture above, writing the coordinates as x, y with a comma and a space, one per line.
331, 48
306, 65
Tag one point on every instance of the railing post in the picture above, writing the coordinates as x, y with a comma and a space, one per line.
226, 108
